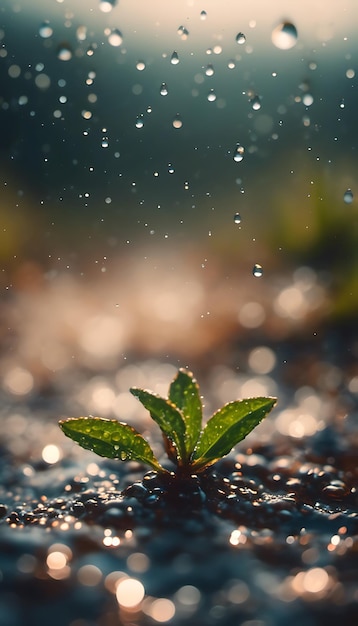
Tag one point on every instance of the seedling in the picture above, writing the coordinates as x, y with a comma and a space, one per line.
189, 446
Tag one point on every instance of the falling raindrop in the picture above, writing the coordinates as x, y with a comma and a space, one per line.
284, 36
240, 38
238, 153
209, 71
348, 196
203, 15
64, 52
256, 103
106, 6
115, 38
211, 95
105, 142
139, 122
307, 99
171, 169
237, 218
163, 89
177, 122
45, 30
183, 33
257, 270
140, 65
174, 59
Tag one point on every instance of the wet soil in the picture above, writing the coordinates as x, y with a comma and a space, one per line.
262, 538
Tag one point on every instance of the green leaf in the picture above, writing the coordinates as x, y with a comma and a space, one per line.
227, 427
184, 393
111, 439
167, 416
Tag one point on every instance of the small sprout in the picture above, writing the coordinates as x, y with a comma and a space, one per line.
189, 446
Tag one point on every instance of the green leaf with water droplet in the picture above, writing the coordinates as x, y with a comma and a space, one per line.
111, 439
184, 393
227, 427
167, 416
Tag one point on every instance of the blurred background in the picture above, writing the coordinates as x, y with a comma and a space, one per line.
178, 188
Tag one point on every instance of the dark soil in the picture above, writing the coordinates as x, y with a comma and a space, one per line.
260, 539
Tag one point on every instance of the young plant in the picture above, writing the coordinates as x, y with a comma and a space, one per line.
188, 445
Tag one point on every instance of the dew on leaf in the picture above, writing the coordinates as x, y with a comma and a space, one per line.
174, 59
240, 38
257, 270
348, 196
163, 89
284, 36
238, 153
115, 37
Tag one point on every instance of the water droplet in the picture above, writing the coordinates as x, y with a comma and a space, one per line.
257, 270
115, 37
174, 59
237, 218
139, 122
64, 52
177, 122
140, 65
163, 89
106, 6
209, 71
238, 153
307, 99
45, 30
183, 33
105, 142
284, 36
256, 103
171, 169
203, 15
123, 455
348, 196
240, 38
211, 95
